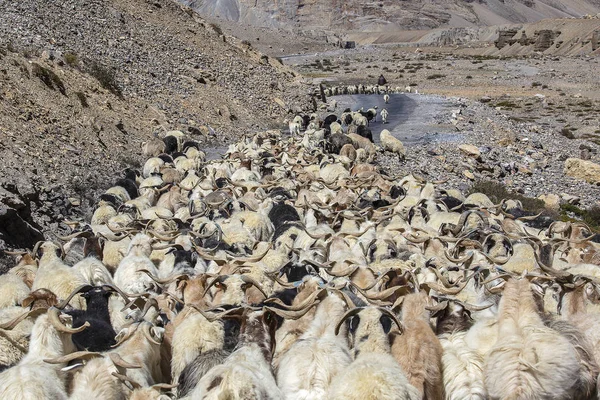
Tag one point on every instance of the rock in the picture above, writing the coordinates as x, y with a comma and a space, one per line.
552, 201
485, 99
280, 103
582, 169
16, 232
470, 150
469, 175
570, 198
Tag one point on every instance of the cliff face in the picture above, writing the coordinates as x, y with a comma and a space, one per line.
386, 15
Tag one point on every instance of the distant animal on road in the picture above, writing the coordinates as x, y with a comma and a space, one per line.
384, 115
386, 98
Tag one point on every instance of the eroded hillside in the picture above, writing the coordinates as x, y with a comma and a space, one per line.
83, 84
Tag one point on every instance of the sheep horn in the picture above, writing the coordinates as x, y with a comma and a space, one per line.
111, 237
438, 307
126, 380
393, 317
9, 325
117, 360
74, 235
36, 248
347, 315
257, 285
147, 334
288, 314
80, 289
218, 279
73, 356
117, 290
54, 318
445, 290
348, 271
254, 258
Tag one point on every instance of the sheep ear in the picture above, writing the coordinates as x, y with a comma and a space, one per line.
122, 333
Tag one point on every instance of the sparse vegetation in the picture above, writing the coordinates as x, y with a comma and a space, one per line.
216, 28
591, 216
436, 76
48, 77
71, 59
106, 77
497, 192
82, 99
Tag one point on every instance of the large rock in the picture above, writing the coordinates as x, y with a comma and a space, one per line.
470, 150
15, 232
582, 169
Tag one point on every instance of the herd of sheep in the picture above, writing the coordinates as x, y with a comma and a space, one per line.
294, 268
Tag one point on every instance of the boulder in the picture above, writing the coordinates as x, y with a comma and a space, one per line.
583, 169
470, 150
551, 201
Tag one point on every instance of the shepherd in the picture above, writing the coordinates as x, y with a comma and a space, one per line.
381, 81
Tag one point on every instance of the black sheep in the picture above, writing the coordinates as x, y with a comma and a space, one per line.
171, 144
100, 336
282, 214
336, 142
130, 186
365, 132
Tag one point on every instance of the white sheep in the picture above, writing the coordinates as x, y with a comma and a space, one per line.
308, 367
374, 373
390, 143
53, 274
529, 360
32, 378
128, 276
386, 98
384, 115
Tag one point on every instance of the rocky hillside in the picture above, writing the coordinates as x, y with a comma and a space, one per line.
388, 15
84, 83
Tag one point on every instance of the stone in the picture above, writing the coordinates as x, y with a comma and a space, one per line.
485, 99
568, 198
15, 231
551, 201
468, 174
470, 150
583, 169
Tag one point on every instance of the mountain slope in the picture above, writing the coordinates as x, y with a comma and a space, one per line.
84, 82
367, 15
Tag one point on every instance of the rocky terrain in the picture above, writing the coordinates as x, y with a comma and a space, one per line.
388, 15
517, 120
83, 84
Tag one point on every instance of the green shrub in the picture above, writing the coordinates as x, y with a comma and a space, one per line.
71, 59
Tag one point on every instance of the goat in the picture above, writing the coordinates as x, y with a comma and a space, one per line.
32, 378
374, 373
529, 359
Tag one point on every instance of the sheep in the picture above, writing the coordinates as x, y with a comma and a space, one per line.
55, 276
13, 290
306, 370
384, 115
246, 373
294, 128
128, 276
386, 99
529, 360
95, 376
417, 349
463, 366
139, 344
32, 378
390, 143
374, 373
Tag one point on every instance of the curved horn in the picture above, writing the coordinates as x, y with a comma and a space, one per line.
148, 334
218, 279
54, 318
73, 356
117, 360
257, 285
393, 317
80, 289
348, 314
9, 325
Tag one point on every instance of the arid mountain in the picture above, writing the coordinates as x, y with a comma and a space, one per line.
385, 15
84, 82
